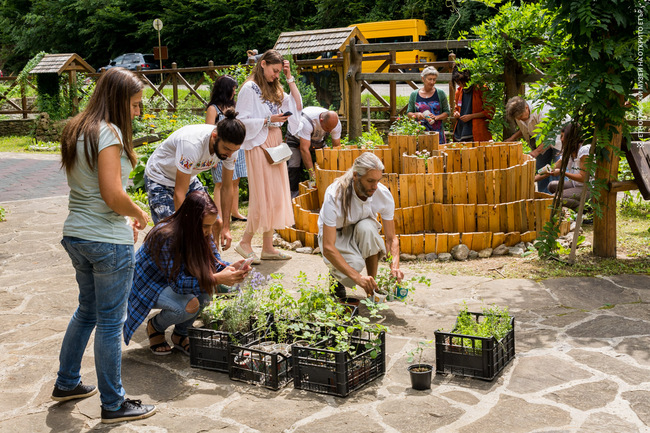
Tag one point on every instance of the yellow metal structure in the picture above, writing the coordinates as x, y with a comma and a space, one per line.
395, 31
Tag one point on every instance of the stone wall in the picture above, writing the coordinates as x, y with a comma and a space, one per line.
12, 127
48, 130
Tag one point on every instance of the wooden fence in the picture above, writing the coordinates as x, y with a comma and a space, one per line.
24, 106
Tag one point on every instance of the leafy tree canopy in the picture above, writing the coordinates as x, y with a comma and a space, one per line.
196, 31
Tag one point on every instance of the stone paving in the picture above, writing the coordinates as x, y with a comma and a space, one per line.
582, 362
30, 176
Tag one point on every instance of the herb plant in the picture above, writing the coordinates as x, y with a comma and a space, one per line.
406, 126
496, 322
418, 351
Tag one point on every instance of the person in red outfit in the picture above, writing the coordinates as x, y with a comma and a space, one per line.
470, 112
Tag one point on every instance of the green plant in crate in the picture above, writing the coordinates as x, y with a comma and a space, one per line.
359, 325
406, 126
496, 322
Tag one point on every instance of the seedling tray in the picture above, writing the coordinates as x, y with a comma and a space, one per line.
210, 349
478, 357
324, 371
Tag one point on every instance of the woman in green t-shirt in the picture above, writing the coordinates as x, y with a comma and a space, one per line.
97, 154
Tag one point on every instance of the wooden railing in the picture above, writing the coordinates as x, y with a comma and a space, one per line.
24, 106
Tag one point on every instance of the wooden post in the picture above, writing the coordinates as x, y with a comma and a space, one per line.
605, 227
175, 86
354, 95
393, 92
23, 99
452, 91
72, 80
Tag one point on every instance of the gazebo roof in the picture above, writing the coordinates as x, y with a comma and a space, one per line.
316, 41
59, 63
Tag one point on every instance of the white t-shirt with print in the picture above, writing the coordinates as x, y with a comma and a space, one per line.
186, 150
381, 202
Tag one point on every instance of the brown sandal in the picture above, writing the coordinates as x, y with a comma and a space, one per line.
157, 341
181, 342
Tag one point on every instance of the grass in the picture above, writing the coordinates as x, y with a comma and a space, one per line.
192, 101
15, 143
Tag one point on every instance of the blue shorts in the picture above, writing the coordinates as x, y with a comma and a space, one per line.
161, 197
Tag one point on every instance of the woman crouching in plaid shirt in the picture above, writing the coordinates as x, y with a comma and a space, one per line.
177, 270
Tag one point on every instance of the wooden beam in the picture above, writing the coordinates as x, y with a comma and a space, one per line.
398, 76
319, 62
623, 185
382, 101
412, 46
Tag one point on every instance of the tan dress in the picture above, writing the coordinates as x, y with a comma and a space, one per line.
268, 189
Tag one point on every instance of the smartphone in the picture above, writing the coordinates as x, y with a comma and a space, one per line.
244, 263
287, 113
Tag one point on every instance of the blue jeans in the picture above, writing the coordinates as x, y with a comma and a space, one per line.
104, 273
161, 197
172, 306
541, 160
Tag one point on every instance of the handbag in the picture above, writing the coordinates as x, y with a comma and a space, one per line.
278, 154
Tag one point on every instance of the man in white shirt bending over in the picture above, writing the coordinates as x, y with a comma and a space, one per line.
316, 124
171, 171
348, 230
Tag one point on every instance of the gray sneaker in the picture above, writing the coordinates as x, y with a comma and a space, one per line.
129, 411
80, 391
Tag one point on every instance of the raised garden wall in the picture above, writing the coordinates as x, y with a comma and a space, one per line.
478, 194
12, 127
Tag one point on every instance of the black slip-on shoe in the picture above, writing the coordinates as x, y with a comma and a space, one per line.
129, 411
80, 391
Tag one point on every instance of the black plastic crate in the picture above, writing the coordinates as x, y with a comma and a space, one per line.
210, 349
261, 366
269, 366
325, 371
478, 357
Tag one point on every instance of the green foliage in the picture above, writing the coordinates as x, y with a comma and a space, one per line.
371, 139
387, 282
634, 205
494, 323
419, 350
194, 31
404, 125
3, 214
512, 36
546, 243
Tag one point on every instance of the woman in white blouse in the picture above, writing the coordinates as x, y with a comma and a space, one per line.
261, 104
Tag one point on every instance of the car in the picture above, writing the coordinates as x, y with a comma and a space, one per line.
131, 61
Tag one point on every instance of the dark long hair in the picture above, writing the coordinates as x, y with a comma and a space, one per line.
109, 102
572, 138
188, 245
222, 92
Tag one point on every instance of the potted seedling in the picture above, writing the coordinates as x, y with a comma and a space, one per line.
420, 373
394, 290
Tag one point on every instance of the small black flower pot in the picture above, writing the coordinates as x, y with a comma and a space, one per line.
420, 376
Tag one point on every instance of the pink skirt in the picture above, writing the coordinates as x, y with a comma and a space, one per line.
269, 198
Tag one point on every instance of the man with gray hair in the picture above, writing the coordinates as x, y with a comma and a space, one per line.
348, 231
